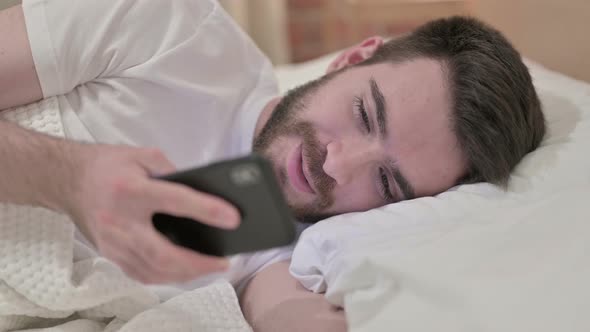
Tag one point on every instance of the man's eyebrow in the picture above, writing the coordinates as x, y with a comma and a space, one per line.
379, 107
404, 185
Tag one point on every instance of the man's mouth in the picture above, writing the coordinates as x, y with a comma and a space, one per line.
297, 173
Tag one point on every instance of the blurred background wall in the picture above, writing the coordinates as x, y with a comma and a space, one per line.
8, 3
552, 32
266, 21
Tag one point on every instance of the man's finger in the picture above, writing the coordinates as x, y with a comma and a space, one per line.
151, 273
178, 262
155, 162
118, 246
127, 262
156, 265
182, 201
192, 261
161, 264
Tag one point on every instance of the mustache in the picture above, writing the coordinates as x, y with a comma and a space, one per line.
315, 155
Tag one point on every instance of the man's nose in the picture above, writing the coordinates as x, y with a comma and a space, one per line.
347, 160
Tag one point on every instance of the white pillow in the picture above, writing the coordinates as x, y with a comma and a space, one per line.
561, 163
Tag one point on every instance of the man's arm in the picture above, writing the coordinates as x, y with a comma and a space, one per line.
275, 301
34, 168
19, 83
108, 191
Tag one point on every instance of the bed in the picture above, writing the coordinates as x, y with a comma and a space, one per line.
475, 258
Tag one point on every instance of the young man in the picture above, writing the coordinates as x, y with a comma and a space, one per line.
161, 85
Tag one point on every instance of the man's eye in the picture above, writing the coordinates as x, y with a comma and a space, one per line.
384, 186
361, 113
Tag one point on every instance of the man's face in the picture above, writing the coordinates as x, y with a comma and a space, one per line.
364, 137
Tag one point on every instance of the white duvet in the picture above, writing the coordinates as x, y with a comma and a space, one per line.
476, 258
51, 282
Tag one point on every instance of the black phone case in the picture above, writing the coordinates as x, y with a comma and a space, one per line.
250, 184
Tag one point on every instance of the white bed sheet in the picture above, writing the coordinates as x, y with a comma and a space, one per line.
475, 258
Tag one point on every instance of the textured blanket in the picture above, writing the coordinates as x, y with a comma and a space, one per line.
50, 282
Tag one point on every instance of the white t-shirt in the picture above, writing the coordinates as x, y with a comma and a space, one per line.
178, 75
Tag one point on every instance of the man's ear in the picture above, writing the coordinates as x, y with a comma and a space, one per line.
356, 53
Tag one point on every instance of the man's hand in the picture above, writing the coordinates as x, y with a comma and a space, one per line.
275, 301
113, 200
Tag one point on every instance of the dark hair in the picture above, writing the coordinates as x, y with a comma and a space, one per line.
497, 116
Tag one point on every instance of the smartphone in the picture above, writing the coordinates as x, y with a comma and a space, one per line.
249, 183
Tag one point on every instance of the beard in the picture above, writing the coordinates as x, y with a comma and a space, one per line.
285, 122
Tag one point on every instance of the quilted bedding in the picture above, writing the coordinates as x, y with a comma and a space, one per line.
51, 282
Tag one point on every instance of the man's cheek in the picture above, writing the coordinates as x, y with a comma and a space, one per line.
353, 199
